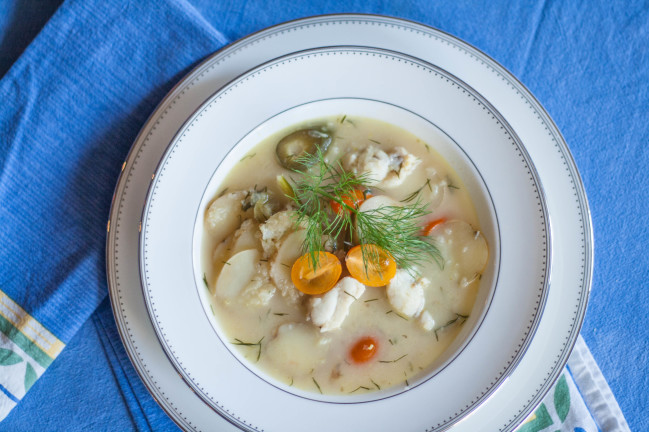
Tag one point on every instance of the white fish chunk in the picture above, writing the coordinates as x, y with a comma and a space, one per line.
274, 230
402, 164
386, 169
371, 161
406, 294
426, 321
328, 311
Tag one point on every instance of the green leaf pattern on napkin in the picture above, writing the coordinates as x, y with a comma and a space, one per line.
562, 398
542, 420
30, 377
10, 358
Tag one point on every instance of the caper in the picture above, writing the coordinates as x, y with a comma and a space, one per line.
298, 144
262, 211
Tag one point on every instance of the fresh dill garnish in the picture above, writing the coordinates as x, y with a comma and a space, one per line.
406, 375
350, 295
427, 147
416, 193
280, 313
250, 344
226, 263
394, 229
248, 156
358, 388
392, 361
375, 384
449, 183
222, 192
371, 300
212, 307
205, 281
317, 385
458, 317
343, 119
375, 141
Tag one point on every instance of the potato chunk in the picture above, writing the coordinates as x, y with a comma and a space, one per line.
297, 348
224, 215
464, 248
239, 270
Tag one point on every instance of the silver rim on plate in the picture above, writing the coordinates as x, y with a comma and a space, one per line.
176, 95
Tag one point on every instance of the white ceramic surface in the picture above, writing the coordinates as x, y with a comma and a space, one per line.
282, 93
572, 261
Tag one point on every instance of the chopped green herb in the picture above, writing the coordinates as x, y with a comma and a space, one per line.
392, 361
375, 384
205, 281
250, 344
358, 388
449, 183
317, 385
248, 156
460, 317
343, 119
212, 307
375, 141
371, 300
416, 193
280, 313
350, 295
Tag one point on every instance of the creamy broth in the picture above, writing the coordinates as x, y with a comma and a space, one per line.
275, 329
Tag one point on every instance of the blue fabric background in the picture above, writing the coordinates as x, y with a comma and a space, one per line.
60, 153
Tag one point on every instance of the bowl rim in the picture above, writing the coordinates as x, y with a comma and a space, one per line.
548, 263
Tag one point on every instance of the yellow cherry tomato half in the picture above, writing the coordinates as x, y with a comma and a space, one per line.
377, 269
319, 280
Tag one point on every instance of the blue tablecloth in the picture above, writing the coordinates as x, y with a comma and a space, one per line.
79, 78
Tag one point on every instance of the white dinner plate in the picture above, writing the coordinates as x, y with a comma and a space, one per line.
559, 325
436, 107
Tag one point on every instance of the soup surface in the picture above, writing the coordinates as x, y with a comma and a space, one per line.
342, 255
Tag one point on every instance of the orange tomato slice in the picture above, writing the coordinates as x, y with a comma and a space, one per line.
364, 349
319, 280
353, 199
376, 270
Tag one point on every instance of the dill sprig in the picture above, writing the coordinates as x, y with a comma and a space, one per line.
394, 229
318, 185
250, 344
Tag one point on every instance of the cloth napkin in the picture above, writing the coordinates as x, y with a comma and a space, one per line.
72, 104
71, 107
